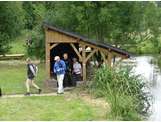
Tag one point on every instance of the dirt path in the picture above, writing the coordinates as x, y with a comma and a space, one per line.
22, 95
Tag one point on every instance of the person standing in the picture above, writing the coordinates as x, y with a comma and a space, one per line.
59, 69
77, 71
31, 74
67, 77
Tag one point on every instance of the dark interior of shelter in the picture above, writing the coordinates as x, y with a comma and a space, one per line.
59, 50
62, 48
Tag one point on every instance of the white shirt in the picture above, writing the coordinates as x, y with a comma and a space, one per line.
77, 68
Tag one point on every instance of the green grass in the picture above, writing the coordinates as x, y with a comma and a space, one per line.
65, 107
18, 46
48, 108
13, 77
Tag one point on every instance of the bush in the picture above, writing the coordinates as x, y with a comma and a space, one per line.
147, 47
4, 43
37, 47
125, 93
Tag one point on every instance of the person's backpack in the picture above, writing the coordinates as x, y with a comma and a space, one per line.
35, 68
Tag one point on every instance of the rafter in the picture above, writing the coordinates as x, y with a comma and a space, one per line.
54, 45
77, 52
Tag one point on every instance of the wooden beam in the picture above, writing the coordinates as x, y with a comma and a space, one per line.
67, 42
47, 52
104, 57
89, 45
48, 60
105, 50
83, 62
77, 52
91, 54
54, 45
109, 59
119, 55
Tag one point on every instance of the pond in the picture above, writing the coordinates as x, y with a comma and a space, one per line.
149, 69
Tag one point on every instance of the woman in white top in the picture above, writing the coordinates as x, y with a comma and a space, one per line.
77, 70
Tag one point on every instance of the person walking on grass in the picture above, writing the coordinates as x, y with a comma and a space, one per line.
31, 74
59, 69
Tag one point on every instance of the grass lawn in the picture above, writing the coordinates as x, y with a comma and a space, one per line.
69, 106
18, 46
48, 108
13, 76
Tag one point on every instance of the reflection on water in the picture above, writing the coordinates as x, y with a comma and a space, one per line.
151, 73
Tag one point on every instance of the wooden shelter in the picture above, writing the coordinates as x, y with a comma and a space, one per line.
58, 41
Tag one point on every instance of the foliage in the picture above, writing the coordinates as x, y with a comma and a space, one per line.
126, 93
37, 48
147, 47
34, 13
11, 16
4, 40
120, 23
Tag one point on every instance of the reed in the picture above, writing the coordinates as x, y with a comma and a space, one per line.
126, 93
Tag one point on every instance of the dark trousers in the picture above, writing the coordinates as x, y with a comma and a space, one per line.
76, 77
67, 80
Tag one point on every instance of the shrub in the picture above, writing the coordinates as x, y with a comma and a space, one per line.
4, 43
125, 92
37, 47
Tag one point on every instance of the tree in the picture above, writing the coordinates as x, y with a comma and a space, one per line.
11, 16
118, 23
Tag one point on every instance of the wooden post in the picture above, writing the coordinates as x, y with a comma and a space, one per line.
47, 52
84, 62
48, 60
104, 57
109, 59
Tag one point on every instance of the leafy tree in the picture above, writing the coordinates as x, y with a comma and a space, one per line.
11, 16
34, 13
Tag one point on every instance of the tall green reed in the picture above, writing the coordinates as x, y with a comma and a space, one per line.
126, 92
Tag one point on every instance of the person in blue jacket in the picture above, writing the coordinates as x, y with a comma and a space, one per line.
59, 69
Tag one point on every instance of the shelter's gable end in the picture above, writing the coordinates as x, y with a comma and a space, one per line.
58, 37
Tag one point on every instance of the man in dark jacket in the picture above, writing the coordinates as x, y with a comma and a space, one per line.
31, 73
67, 77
